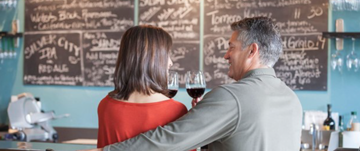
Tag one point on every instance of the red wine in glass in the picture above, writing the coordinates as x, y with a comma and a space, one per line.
195, 92
172, 92
195, 84
173, 83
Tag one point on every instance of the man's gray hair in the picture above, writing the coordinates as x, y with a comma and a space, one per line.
264, 32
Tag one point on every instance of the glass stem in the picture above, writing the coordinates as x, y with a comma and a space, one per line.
353, 45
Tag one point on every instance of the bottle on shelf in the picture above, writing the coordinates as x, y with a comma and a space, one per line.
341, 130
354, 124
329, 123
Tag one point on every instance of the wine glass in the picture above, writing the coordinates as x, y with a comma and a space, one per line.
3, 4
15, 3
4, 47
195, 85
351, 5
10, 47
1, 49
337, 62
352, 60
10, 4
173, 83
338, 5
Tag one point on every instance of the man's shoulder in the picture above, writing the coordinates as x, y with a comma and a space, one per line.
226, 90
235, 86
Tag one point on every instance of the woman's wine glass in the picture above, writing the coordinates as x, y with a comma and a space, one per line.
173, 83
195, 85
352, 60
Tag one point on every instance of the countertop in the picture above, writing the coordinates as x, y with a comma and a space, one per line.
41, 146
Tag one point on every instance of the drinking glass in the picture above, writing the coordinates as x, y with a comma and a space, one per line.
338, 5
10, 3
351, 5
14, 3
4, 47
337, 62
352, 60
10, 47
173, 83
195, 85
1, 52
3, 4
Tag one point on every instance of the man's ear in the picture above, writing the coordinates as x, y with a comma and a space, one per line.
253, 50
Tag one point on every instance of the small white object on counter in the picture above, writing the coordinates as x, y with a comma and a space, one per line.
351, 139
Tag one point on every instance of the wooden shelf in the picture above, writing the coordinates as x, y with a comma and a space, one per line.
6, 34
341, 34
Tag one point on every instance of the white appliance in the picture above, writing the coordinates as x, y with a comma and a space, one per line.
31, 123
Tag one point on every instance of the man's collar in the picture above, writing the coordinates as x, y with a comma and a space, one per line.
260, 71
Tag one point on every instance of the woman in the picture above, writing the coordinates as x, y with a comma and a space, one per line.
139, 101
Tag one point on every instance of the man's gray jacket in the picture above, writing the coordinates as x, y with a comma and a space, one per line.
257, 113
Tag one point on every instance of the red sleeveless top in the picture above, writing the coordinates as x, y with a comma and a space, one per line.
120, 120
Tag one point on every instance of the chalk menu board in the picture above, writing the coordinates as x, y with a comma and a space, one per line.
181, 19
74, 42
303, 66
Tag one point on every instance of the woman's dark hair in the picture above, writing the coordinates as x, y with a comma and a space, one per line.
142, 62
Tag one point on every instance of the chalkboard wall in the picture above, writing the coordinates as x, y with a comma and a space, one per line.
76, 42
303, 66
182, 20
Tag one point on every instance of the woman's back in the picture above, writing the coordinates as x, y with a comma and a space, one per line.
139, 101
119, 120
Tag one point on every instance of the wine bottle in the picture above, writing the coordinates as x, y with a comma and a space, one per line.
329, 123
341, 130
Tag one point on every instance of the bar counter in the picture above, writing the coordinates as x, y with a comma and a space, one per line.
41, 146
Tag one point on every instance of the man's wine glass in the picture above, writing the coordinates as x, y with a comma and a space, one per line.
195, 85
352, 60
173, 83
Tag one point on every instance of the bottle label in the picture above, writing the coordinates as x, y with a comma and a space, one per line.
355, 127
326, 128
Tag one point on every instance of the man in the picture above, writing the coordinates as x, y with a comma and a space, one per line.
256, 113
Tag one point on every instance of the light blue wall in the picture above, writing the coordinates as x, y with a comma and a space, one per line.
81, 102
8, 67
345, 88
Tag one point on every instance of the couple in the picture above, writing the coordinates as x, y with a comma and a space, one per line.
258, 112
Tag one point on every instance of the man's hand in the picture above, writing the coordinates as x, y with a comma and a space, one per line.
195, 101
96, 149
